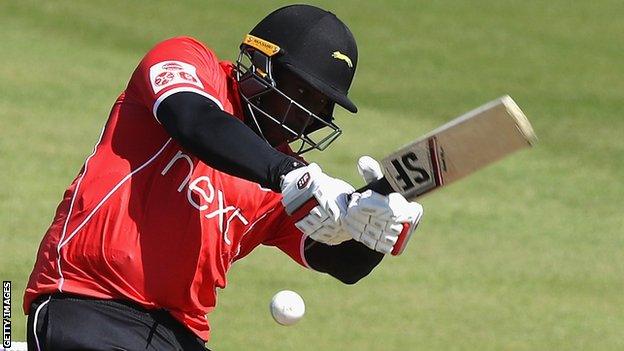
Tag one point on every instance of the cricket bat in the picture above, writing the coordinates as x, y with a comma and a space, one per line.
456, 149
450, 152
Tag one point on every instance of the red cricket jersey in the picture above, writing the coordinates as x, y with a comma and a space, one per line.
145, 220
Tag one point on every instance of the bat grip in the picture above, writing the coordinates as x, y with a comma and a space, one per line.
380, 186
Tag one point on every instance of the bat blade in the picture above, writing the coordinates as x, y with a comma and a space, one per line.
456, 149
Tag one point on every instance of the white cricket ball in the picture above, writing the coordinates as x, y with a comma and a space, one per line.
287, 307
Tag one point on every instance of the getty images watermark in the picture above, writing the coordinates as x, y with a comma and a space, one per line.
6, 314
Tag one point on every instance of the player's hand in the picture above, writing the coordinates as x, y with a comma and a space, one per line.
318, 201
382, 223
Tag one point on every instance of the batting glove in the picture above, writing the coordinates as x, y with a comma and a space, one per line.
318, 202
382, 223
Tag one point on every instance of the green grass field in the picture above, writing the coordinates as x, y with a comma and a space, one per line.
526, 255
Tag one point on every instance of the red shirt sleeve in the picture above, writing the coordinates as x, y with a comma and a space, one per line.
175, 65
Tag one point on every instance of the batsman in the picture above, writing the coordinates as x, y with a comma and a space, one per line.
199, 163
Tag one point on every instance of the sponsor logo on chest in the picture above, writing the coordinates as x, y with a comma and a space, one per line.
212, 203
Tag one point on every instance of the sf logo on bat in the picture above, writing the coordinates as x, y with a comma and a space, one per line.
416, 170
409, 162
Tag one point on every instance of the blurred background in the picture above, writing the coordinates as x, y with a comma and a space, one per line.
527, 254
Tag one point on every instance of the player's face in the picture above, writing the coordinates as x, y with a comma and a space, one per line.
295, 118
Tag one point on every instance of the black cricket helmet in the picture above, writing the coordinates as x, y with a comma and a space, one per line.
304, 44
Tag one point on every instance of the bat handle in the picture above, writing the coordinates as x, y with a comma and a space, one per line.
380, 186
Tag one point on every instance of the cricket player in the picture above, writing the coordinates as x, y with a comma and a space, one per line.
193, 170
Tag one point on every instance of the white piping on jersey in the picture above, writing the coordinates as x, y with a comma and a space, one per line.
35, 322
168, 93
71, 206
110, 193
251, 227
257, 220
97, 207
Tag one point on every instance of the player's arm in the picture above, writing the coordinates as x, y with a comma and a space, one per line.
222, 141
348, 262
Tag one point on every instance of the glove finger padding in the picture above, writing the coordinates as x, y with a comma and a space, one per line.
375, 205
335, 198
320, 227
313, 221
382, 223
